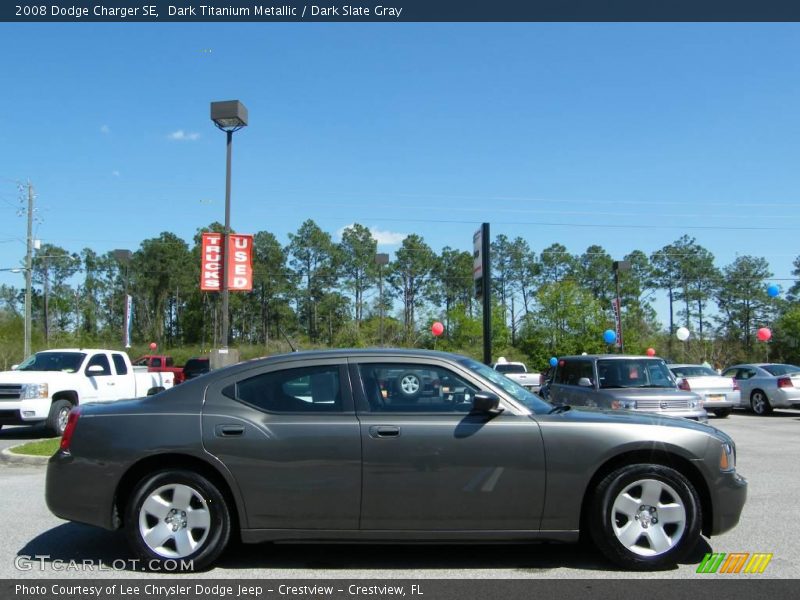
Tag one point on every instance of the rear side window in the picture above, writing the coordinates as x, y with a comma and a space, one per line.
99, 360
571, 372
306, 389
120, 364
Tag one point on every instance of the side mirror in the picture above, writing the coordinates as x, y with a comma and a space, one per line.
486, 402
14, 367
95, 370
585, 382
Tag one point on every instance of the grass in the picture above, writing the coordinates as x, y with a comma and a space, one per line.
39, 448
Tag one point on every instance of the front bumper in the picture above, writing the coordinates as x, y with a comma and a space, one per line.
695, 414
729, 496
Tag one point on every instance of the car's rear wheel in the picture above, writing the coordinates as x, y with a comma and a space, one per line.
58, 416
760, 403
177, 520
645, 516
722, 412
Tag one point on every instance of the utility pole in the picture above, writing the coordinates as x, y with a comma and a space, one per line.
28, 266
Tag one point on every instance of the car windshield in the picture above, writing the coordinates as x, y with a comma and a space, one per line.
511, 387
509, 368
68, 362
693, 371
634, 373
781, 369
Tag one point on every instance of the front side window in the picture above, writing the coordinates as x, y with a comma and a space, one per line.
402, 387
99, 360
509, 386
305, 389
572, 371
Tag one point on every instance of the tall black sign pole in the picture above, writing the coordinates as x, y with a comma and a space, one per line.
487, 295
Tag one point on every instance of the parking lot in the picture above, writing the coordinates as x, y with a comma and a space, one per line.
768, 451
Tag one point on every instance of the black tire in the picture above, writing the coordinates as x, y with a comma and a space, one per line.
626, 525
722, 412
167, 541
409, 385
57, 418
759, 403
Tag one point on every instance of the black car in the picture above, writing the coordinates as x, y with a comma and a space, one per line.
320, 446
195, 367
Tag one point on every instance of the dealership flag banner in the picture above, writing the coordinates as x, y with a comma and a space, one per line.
239, 263
128, 320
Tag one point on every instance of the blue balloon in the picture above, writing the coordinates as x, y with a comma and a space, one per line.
773, 290
553, 361
609, 336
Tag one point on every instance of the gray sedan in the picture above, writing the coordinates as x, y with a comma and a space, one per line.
767, 385
323, 446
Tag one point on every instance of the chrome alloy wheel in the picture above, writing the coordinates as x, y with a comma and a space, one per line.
63, 418
174, 521
409, 384
648, 517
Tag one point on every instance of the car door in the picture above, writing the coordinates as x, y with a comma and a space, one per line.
100, 382
744, 374
289, 435
124, 382
430, 465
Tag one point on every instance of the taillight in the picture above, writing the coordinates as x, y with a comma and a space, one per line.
72, 422
683, 384
736, 387
785, 382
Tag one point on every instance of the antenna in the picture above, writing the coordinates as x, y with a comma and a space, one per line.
288, 340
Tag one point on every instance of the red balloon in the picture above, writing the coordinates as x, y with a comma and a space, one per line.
437, 329
651, 352
764, 334
153, 345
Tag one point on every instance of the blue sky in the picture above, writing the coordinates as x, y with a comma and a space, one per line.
623, 135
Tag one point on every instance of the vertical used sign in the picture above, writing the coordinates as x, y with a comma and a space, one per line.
239, 264
617, 322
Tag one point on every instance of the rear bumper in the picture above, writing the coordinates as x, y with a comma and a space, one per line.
79, 491
785, 398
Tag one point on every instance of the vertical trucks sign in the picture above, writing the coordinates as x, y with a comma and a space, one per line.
239, 269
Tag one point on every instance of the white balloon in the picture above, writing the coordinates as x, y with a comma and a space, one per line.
682, 334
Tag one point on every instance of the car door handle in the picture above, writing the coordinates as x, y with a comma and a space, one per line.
384, 431
229, 430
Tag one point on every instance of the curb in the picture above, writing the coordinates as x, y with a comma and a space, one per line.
7, 456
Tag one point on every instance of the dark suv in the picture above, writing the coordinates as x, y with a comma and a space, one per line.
195, 367
615, 381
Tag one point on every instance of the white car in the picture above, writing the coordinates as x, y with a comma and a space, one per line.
767, 385
720, 394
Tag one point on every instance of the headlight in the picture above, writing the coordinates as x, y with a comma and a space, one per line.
695, 403
31, 391
727, 457
623, 404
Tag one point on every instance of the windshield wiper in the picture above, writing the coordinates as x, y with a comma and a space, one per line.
560, 409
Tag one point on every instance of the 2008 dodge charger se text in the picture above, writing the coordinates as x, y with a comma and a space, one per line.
321, 446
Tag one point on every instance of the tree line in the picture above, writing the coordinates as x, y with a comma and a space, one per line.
315, 292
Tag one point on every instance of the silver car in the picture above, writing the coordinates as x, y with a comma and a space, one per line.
617, 381
765, 386
720, 394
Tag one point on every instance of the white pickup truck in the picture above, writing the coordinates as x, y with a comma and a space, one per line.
45, 387
518, 372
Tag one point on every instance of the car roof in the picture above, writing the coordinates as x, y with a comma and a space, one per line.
611, 356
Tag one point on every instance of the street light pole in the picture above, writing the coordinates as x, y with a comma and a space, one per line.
380, 260
229, 116
28, 267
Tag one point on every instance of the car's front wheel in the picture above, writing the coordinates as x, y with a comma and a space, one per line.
177, 520
760, 403
58, 416
645, 516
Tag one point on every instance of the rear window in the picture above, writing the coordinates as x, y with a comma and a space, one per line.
693, 371
509, 368
781, 369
